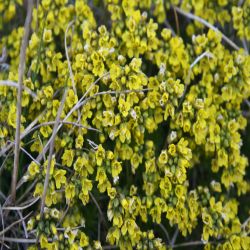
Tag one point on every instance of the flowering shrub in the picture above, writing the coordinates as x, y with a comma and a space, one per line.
130, 131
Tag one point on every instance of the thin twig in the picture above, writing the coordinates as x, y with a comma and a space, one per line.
67, 56
169, 27
41, 143
18, 240
52, 144
4, 55
245, 222
192, 243
69, 63
63, 216
241, 2
109, 247
46, 147
174, 237
30, 156
61, 122
3, 164
165, 231
21, 70
23, 224
2, 195
1, 211
176, 22
111, 92
99, 210
22, 207
244, 43
9, 83
27, 191
14, 223
205, 54
99, 228
204, 22
51, 149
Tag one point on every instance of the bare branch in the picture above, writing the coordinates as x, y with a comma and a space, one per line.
174, 237
2, 220
18, 240
13, 224
21, 70
22, 207
23, 224
207, 24
165, 231
61, 122
9, 83
51, 149
99, 210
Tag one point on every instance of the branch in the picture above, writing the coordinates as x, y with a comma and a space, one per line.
61, 122
22, 207
99, 210
207, 24
165, 231
13, 224
9, 83
21, 70
51, 149
192, 243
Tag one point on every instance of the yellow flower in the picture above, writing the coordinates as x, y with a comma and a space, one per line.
33, 169
86, 186
46, 131
39, 189
100, 155
68, 157
163, 158
70, 191
116, 168
165, 187
59, 177
47, 36
71, 98
222, 158
43, 241
115, 71
124, 107
111, 192
79, 141
172, 149
84, 240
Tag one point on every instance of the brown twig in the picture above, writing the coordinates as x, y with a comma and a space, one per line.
21, 70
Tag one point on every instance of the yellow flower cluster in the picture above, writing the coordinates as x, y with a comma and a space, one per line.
145, 112
241, 21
